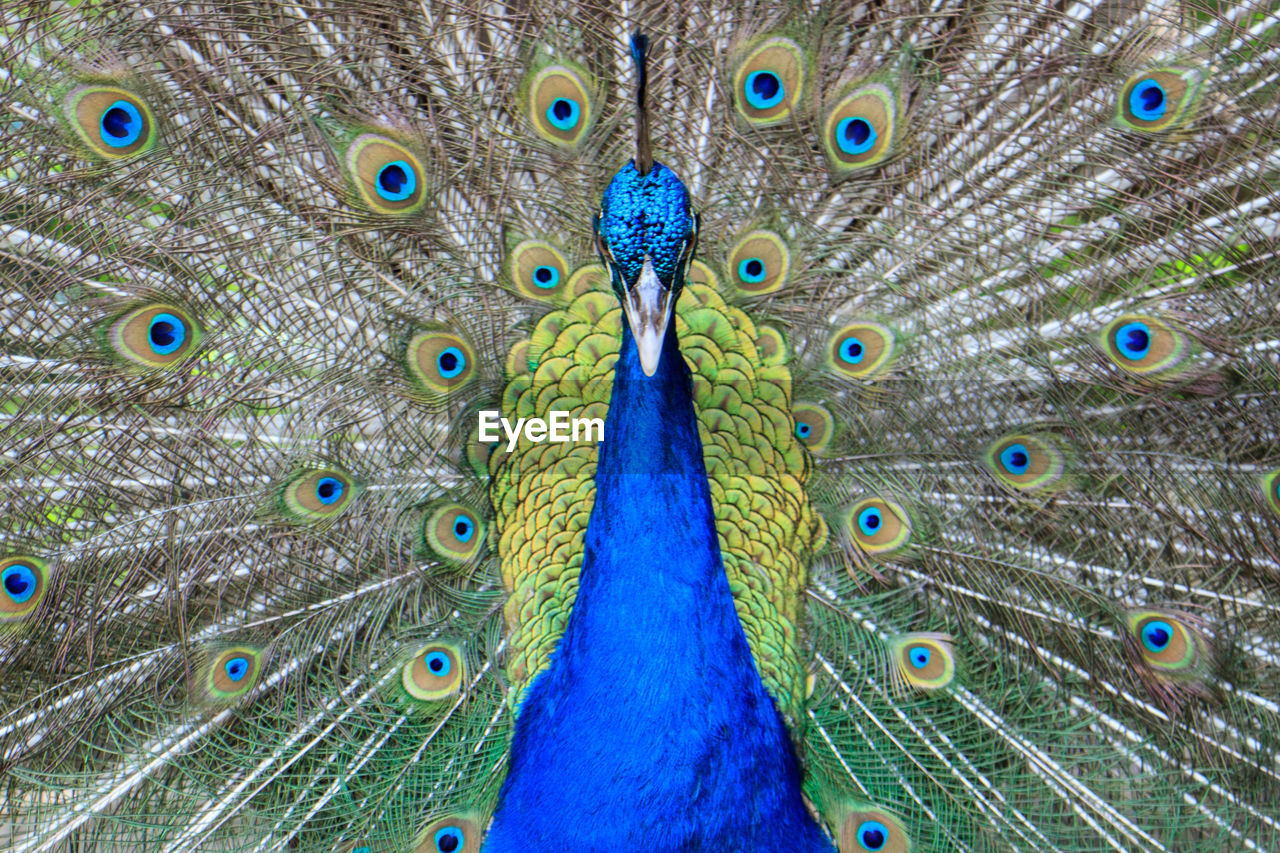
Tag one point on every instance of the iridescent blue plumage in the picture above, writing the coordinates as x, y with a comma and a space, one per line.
651, 728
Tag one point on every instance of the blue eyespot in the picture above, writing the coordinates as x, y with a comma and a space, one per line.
438, 663
855, 135
1016, 459
463, 528
363, 848
328, 490
1147, 100
563, 113
237, 668
396, 181
764, 90
751, 270
451, 362
803, 429
852, 351
873, 835
449, 839
166, 333
1134, 340
546, 277
121, 124
869, 521
19, 582
1156, 636
920, 657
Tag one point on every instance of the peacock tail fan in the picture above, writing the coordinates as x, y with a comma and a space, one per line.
982, 330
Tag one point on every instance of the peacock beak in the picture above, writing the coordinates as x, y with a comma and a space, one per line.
647, 304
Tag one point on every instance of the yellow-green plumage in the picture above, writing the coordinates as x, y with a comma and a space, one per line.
543, 492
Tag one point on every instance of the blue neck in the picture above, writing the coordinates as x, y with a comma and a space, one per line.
651, 729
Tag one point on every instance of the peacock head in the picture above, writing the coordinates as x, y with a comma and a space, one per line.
645, 233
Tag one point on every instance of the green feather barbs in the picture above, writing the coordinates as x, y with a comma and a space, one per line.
24, 583
154, 336
769, 81
114, 123
1159, 99
434, 672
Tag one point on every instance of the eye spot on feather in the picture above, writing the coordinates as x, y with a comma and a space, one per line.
1271, 490
769, 81
317, 494
1159, 99
861, 350
872, 830
113, 122
1170, 644
153, 336
860, 129
538, 271
879, 527
1145, 345
434, 672
924, 661
24, 582
815, 426
1031, 463
450, 834
759, 263
453, 532
388, 177
440, 364
561, 103
230, 673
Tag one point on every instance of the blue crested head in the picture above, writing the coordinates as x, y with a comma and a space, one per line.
645, 233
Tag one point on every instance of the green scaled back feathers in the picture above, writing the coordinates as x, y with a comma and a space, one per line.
983, 328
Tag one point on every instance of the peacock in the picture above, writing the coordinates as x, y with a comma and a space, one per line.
815, 426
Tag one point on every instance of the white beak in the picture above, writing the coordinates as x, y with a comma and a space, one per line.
648, 309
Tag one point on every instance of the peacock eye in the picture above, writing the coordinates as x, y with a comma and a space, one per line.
1159, 99
862, 350
1030, 463
759, 263
450, 834
561, 103
873, 830
814, 426
452, 532
1169, 643
388, 178
229, 673
1146, 345
924, 661
538, 271
113, 122
769, 81
859, 130
440, 364
316, 494
879, 527
153, 336
434, 672
1271, 489
24, 581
